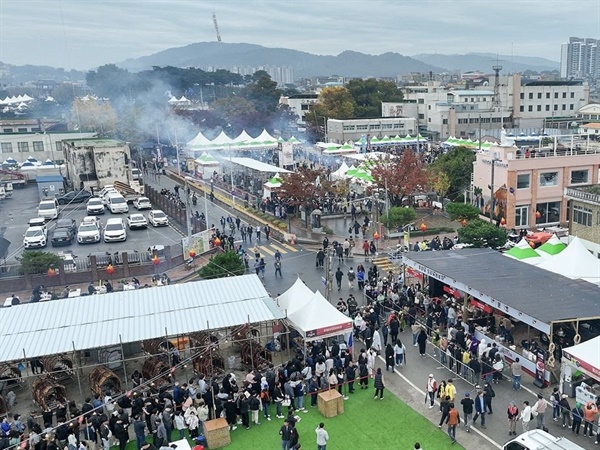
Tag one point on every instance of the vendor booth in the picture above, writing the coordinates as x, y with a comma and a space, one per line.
580, 371
547, 312
205, 166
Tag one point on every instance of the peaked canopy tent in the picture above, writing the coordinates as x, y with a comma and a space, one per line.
205, 165
575, 262
199, 142
551, 248
341, 172
311, 314
584, 357
523, 252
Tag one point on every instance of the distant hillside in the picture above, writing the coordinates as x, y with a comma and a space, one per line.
12, 74
484, 62
226, 55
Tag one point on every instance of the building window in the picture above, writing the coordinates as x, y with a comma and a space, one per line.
548, 95
564, 107
523, 181
556, 95
549, 212
22, 130
375, 127
398, 126
571, 106
522, 216
421, 116
547, 107
387, 126
582, 216
521, 108
349, 127
6, 147
38, 146
429, 107
23, 146
59, 148
539, 107
7, 130
522, 96
555, 107
548, 179
304, 107
530, 108
564, 95
361, 127
421, 101
572, 94
579, 176
539, 95
531, 96
444, 121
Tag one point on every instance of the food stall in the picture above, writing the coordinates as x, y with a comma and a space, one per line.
580, 371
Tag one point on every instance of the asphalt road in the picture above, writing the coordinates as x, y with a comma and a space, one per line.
15, 212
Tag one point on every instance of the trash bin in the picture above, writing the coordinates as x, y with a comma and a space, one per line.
231, 362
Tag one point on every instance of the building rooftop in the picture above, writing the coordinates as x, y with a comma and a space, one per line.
593, 126
97, 142
553, 83
463, 92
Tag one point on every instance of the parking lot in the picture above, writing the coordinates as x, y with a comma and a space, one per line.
15, 213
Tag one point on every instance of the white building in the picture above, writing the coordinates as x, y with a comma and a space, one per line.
300, 104
341, 131
41, 146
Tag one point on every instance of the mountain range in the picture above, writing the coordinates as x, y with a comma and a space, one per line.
484, 62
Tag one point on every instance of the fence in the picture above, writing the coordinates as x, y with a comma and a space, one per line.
174, 210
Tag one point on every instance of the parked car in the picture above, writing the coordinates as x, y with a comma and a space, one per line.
142, 203
48, 208
158, 218
133, 257
95, 206
116, 203
74, 197
62, 236
136, 221
103, 259
114, 231
35, 237
37, 222
69, 224
88, 232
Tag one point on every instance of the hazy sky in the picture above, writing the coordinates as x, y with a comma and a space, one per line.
84, 34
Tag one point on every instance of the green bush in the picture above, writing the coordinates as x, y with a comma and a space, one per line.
460, 211
480, 233
37, 262
223, 265
327, 230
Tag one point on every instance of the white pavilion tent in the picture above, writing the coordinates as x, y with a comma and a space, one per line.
575, 262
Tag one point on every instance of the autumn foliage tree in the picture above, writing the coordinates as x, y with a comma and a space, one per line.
305, 187
401, 176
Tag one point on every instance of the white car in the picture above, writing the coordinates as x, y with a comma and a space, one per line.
158, 218
95, 205
142, 203
116, 203
114, 231
35, 237
48, 209
136, 221
88, 232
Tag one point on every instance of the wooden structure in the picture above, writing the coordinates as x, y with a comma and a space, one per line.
58, 367
216, 432
157, 369
330, 403
47, 393
243, 333
104, 381
207, 358
10, 376
254, 355
157, 346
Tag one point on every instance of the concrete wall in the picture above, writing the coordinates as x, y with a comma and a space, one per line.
112, 164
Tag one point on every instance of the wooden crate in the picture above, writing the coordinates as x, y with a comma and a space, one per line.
330, 403
216, 432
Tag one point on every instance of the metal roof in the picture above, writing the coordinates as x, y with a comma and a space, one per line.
48, 178
38, 329
256, 165
541, 294
473, 92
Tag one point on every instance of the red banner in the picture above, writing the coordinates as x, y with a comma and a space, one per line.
477, 304
328, 330
452, 292
413, 273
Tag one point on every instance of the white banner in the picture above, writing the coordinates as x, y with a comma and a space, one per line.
286, 157
200, 242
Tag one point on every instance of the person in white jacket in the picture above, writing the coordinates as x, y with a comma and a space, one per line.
192, 421
525, 416
371, 362
202, 413
376, 340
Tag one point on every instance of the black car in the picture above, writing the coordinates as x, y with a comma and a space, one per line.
69, 224
74, 197
61, 236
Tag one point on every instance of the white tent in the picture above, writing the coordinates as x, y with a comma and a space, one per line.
523, 252
319, 319
575, 262
265, 138
585, 356
295, 297
243, 137
199, 141
341, 172
222, 139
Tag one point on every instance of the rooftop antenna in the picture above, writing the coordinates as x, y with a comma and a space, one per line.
214, 16
496, 68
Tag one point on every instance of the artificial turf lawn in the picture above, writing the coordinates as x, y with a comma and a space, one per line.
365, 424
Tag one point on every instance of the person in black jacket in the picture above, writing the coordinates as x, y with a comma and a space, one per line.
350, 376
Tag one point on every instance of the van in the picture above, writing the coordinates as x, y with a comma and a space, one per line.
540, 440
48, 208
116, 203
136, 174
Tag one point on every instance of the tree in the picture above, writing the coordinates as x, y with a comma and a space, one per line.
458, 165
95, 116
223, 265
304, 187
36, 262
401, 176
479, 234
462, 211
263, 94
333, 103
109, 81
440, 182
65, 93
239, 112
369, 94
398, 216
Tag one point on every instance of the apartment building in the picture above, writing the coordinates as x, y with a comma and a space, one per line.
580, 58
584, 213
300, 104
528, 186
41, 146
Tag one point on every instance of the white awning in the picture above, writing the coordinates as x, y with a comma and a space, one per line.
257, 165
33, 330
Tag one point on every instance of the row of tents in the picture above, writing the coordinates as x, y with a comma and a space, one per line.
572, 261
458, 142
241, 142
15, 100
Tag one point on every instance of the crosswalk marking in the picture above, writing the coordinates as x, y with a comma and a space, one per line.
289, 247
283, 247
270, 248
267, 250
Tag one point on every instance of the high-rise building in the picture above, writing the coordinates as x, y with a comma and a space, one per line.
580, 58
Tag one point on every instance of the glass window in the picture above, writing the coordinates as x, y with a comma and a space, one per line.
582, 215
530, 108
23, 146
572, 94
523, 181
22, 130
549, 179
375, 127
7, 147
564, 107
539, 107
7, 130
531, 96
539, 95
548, 212
522, 216
522, 96
579, 176
361, 127
564, 95
555, 107
571, 107
521, 108
556, 95
547, 107
547, 94
38, 146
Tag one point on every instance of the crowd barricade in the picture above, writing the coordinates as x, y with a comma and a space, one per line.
452, 364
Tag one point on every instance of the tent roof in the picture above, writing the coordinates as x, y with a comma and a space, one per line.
551, 247
199, 141
523, 252
207, 160
243, 137
295, 297
541, 294
265, 137
82, 323
318, 319
587, 353
575, 262
258, 165
221, 139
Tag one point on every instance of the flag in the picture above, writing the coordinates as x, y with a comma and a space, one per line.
350, 344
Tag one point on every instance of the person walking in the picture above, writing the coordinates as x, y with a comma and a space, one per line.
479, 409
517, 372
257, 229
322, 437
389, 357
467, 405
539, 411
379, 384
399, 351
432, 388
452, 421
513, 416
526, 416
285, 433
422, 341
267, 231
351, 277
278, 268
488, 395
565, 411
338, 277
